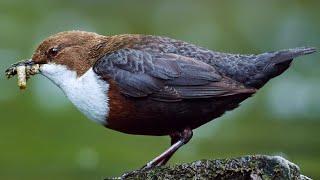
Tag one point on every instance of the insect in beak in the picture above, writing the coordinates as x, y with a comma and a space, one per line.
24, 69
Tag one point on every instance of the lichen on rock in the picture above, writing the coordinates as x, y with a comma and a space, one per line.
255, 167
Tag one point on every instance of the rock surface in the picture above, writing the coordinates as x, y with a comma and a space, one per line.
255, 167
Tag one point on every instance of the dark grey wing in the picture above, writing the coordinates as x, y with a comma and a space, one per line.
251, 70
162, 76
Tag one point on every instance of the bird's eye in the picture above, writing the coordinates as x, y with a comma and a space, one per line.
52, 52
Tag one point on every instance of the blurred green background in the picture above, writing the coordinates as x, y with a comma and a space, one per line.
43, 136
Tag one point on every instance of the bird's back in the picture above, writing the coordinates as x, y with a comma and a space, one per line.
251, 70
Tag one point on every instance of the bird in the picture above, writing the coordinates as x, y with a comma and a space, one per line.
154, 85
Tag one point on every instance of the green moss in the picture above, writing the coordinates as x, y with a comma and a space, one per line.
247, 167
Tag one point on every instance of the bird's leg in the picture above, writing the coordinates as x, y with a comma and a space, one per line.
175, 137
177, 140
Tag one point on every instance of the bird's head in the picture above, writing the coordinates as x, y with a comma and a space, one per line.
74, 50
70, 54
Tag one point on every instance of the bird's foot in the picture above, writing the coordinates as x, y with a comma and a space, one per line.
128, 174
148, 166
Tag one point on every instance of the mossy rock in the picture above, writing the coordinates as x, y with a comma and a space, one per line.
255, 167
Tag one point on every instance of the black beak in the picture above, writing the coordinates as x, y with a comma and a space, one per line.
12, 70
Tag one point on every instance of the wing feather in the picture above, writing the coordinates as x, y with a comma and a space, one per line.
164, 76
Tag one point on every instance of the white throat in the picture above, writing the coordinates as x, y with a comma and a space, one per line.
88, 92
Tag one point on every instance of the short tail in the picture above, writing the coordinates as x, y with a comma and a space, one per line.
288, 54
272, 64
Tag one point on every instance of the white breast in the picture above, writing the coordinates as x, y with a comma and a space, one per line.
88, 93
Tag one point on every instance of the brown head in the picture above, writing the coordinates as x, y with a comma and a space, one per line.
77, 50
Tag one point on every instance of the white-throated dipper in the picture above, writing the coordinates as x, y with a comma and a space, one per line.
151, 85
